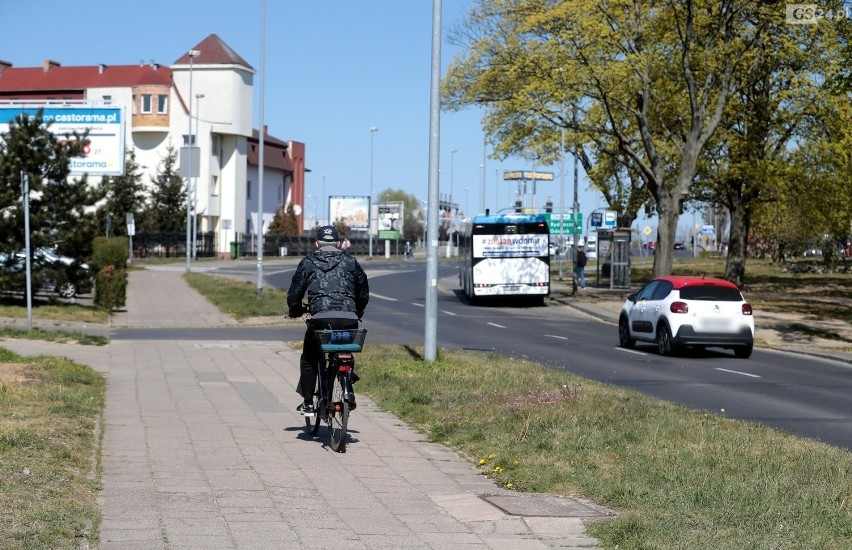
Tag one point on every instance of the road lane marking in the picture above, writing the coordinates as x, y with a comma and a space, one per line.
496, 325
448, 312
380, 297
738, 372
554, 336
417, 304
633, 351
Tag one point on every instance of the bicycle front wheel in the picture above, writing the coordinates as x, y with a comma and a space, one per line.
338, 417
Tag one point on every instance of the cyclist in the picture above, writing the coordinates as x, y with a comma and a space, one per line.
337, 293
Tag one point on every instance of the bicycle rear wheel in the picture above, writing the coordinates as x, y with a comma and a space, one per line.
338, 417
312, 423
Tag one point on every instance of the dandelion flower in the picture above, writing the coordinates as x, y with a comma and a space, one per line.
491, 457
481, 461
509, 485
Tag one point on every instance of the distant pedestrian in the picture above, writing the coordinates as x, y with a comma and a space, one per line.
581, 267
408, 249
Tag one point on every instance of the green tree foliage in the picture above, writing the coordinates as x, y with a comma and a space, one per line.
650, 81
285, 222
167, 208
413, 226
124, 195
61, 209
779, 103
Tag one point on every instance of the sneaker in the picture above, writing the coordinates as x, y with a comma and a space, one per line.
306, 408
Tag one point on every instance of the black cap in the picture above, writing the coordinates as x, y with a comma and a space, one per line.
327, 234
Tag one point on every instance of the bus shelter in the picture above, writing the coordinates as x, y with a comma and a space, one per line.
614, 249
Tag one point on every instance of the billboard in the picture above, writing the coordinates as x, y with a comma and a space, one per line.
352, 211
390, 218
105, 151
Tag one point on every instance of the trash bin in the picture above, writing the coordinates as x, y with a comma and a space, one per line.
236, 250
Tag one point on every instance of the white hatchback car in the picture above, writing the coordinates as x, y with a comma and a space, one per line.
679, 311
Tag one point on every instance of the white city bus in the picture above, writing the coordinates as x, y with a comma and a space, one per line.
505, 255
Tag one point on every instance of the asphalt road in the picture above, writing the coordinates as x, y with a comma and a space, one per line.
801, 394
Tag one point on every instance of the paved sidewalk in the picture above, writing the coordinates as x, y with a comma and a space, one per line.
203, 449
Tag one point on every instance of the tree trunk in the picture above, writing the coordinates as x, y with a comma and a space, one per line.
668, 211
737, 241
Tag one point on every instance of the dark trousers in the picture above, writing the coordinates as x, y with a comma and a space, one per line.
309, 362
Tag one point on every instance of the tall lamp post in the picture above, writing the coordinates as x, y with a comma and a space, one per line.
195, 188
373, 131
192, 55
452, 214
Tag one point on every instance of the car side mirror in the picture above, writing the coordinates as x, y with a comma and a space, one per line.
632, 297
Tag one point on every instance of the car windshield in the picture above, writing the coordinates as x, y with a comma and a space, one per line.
711, 293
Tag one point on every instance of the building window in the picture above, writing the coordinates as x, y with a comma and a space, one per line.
146, 103
214, 189
280, 193
186, 140
135, 108
162, 103
248, 189
107, 99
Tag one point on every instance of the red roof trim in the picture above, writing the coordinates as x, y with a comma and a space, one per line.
680, 281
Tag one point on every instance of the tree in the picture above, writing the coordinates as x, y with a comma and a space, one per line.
285, 222
650, 80
778, 104
124, 195
167, 209
61, 209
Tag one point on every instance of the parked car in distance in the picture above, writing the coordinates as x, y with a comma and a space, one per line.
679, 311
52, 272
553, 249
680, 245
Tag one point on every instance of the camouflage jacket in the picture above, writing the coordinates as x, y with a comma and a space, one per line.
332, 281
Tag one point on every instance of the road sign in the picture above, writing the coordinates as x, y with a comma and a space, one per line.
558, 226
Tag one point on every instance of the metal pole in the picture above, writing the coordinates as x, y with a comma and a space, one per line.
496, 190
195, 187
576, 202
192, 55
562, 200
260, 154
450, 250
431, 321
25, 183
373, 130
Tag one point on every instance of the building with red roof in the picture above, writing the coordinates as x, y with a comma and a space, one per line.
206, 98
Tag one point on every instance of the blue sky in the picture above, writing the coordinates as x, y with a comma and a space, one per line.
333, 70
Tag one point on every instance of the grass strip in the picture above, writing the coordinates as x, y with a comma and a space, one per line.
58, 336
50, 409
239, 298
682, 478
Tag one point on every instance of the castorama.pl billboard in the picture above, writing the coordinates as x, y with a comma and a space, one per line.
105, 150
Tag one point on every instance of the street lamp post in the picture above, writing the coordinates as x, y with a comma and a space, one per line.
452, 214
195, 187
192, 55
373, 130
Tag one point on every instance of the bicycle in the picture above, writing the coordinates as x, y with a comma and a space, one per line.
334, 383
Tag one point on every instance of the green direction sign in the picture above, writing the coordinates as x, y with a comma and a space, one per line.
564, 227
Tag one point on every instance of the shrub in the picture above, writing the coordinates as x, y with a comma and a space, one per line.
109, 258
111, 287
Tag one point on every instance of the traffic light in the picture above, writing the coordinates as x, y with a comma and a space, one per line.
518, 207
548, 206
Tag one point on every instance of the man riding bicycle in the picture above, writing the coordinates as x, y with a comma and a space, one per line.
337, 293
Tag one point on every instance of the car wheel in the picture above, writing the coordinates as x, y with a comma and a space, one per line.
743, 352
624, 339
67, 290
664, 340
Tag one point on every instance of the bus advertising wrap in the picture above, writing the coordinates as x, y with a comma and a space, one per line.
510, 246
